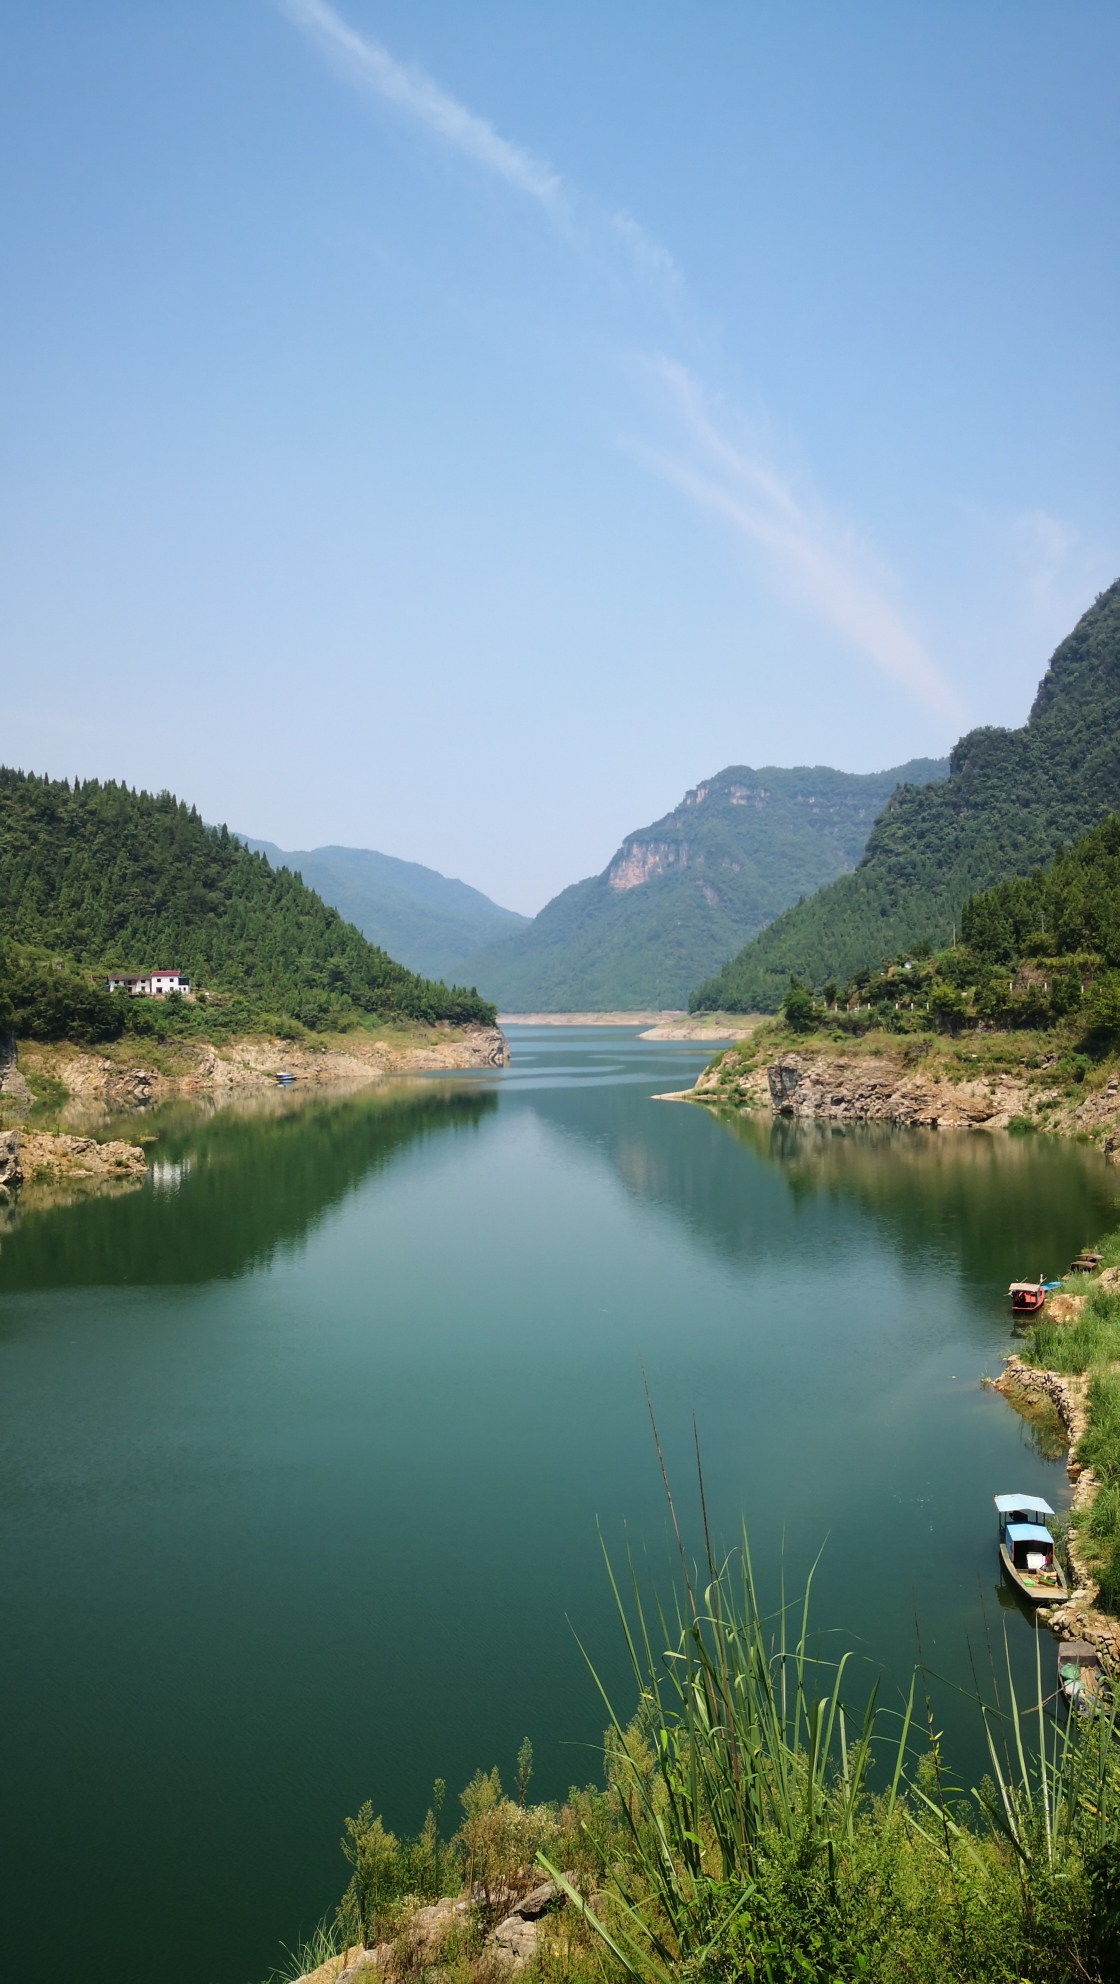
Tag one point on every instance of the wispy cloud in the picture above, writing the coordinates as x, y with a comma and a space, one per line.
819, 563
815, 560
366, 62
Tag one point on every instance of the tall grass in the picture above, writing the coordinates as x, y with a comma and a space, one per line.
762, 1829
1071, 1348
1092, 1344
755, 1829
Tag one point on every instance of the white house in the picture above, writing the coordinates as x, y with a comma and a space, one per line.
148, 985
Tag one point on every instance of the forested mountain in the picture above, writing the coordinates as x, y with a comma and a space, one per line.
682, 894
1011, 799
424, 919
1037, 951
1069, 909
96, 877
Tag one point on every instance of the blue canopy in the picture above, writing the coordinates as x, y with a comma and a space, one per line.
1005, 1504
1028, 1532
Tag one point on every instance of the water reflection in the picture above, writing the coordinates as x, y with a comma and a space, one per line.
990, 1207
227, 1189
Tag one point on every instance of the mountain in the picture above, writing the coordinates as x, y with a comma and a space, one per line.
95, 877
428, 922
1011, 799
679, 896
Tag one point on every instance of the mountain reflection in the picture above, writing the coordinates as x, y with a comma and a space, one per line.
990, 1206
227, 1189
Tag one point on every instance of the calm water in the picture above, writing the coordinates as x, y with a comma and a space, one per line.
304, 1447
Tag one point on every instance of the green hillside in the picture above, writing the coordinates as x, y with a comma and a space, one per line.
682, 894
95, 877
1036, 951
1011, 799
425, 920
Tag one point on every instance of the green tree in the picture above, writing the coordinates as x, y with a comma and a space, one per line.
798, 1007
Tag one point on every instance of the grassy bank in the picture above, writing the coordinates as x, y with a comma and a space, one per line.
1089, 1346
751, 1825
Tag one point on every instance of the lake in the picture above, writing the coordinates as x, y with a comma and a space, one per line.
306, 1442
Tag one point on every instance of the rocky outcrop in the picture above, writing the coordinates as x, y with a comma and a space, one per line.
514, 1941
915, 1084
508, 1949
881, 1089
11, 1171
55, 1159
13, 1088
1064, 1308
641, 860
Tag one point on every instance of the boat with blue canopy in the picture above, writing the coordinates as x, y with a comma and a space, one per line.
1026, 1549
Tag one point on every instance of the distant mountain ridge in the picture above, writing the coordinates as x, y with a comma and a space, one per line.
679, 896
425, 920
1012, 799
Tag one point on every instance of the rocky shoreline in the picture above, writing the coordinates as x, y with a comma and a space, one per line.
912, 1088
98, 1079
1079, 1617
42, 1157
89, 1086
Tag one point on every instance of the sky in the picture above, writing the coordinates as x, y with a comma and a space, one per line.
460, 430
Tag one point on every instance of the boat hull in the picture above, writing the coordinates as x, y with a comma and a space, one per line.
1027, 1301
1040, 1587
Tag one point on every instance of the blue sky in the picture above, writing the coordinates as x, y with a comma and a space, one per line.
458, 429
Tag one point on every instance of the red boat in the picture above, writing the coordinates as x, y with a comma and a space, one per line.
1027, 1297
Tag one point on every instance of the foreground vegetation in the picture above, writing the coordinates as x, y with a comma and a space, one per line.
756, 1823
1012, 798
96, 878
1089, 1347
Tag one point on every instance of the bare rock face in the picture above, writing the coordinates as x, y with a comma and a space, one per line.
13, 1088
883, 1089
81, 1160
1064, 1308
11, 1175
514, 1941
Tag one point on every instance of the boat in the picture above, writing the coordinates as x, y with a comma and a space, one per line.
1085, 1263
1080, 1676
1026, 1549
284, 1078
1027, 1297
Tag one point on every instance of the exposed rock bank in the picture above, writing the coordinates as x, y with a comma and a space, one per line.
509, 1948
35, 1157
112, 1079
1078, 1618
882, 1089
912, 1086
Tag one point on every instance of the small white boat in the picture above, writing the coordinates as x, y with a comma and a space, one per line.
1026, 1549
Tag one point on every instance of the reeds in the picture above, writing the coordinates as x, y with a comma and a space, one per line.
762, 1828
